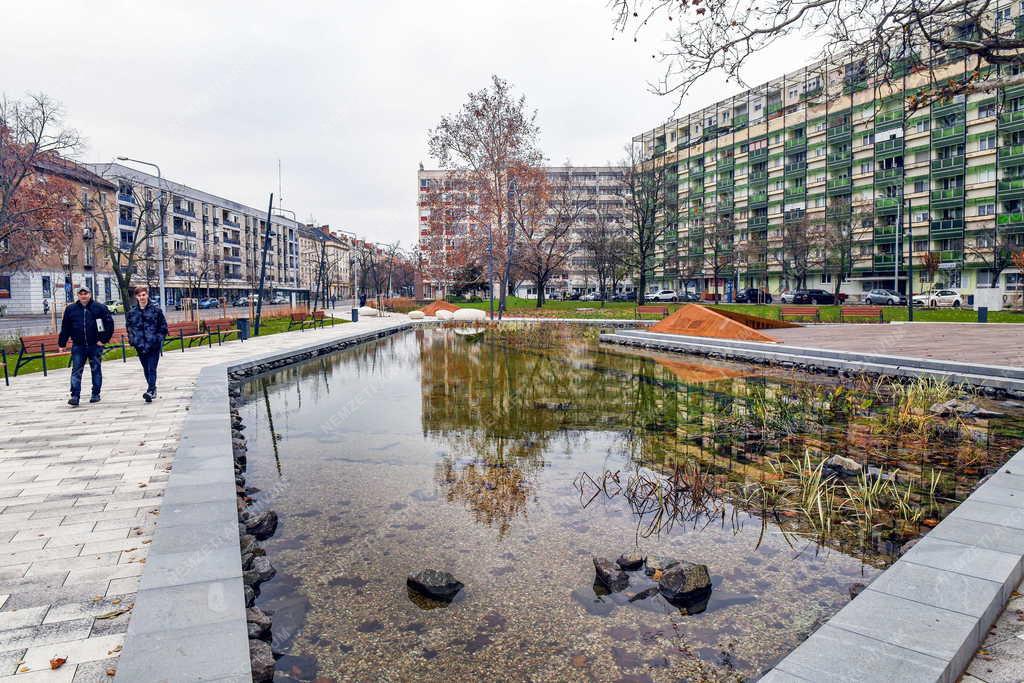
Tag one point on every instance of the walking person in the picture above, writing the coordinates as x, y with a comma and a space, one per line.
147, 328
89, 326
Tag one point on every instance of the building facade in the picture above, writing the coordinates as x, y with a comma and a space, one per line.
457, 241
826, 173
212, 245
73, 258
327, 263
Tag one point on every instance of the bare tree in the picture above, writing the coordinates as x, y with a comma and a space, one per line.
646, 187
885, 37
801, 240
720, 255
493, 132
32, 132
603, 241
844, 228
995, 249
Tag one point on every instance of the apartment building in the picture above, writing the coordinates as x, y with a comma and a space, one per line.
762, 183
458, 240
327, 264
72, 258
212, 245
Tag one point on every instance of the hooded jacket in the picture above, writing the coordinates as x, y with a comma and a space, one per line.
79, 324
147, 327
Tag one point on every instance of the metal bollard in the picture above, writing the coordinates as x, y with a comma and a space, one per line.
355, 315
982, 314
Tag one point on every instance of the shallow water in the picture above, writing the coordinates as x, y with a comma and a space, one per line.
423, 450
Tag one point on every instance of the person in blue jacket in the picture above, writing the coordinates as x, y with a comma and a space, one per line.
147, 329
89, 326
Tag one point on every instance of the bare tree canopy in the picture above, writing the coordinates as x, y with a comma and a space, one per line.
725, 36
649, 213
32, 134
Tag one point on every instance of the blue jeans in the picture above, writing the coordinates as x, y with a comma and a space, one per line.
149, 360
79, 354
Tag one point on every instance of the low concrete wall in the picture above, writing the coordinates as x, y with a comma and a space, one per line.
188, 622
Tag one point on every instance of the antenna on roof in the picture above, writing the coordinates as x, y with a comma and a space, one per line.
280, 194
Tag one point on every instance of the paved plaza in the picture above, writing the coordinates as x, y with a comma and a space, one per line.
80, 493
990, 344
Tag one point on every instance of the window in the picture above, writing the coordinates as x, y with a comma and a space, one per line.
984, 278
920, 245
919, 186
868, 139
986, 110
826, 278
986, 209
47, 287
987, 142
1003, 15
922, 125
866, 166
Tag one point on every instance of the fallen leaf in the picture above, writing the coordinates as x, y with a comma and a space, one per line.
111, 671
114, 613
57, 662
115, 601
23, 669
579, 661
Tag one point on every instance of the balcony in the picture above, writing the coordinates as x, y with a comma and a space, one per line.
184, 232
757, 176
947, 197
755, 222
840, 158
852, 86
884, 261
725, 184
887, 205
885, 233
1011, 188
125, 220
887, 119
1012, 120
232, 224
796, 192
948, 132
796, 143
757, 200
1015, 218
183, 211
726, 163
839, 185
888, 147
740, 121
696, 172
761, 153
951, 256
839, 132
947, 227
125, 246
774, 107
796, 168
1011, 154
947, 108
888, 174
123, 197
231, 240
233, 259
949, 166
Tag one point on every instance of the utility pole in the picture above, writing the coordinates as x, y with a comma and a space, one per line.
263, 267
513, 188
910, 265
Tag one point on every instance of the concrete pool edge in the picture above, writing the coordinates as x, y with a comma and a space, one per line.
188, 620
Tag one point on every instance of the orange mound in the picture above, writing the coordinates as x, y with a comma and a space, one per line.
439, 305
695, 320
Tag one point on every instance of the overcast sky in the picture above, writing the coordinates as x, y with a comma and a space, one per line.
342, 92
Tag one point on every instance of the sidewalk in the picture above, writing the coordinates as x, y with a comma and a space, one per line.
80, 492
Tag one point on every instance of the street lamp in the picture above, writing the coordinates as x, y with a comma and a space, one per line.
160, 247
294, 218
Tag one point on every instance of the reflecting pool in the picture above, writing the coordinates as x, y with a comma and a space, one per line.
512, 462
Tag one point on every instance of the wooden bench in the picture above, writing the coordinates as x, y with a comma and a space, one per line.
654, 310
298, 320
186, 330
221, 327
40, 346
861, 312
119, 340
320, 318
800, 312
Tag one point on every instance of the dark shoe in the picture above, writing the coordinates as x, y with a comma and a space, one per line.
73, 401
147, 397
94, 399
152, 392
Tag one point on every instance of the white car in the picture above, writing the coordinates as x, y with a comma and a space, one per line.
662, 295
787, 297
939, 297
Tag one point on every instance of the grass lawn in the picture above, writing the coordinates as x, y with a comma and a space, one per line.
268, 327
624, 310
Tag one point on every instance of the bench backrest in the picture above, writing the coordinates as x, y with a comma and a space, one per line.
48, 342
217, 324
184, 328
873, 311
799, 310
298, 317
318, 314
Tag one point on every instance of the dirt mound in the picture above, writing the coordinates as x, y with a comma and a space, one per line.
695, 320
439, 305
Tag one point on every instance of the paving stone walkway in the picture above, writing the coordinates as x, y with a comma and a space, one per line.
1001, 658
80, 493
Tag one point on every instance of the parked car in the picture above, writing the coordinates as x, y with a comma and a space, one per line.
753, 295
689, 296
787, 296
883, 297
208, 302
623, 296
280, 299
662, 295
813, 297
939, 297
115, 306
244, 299
591, 296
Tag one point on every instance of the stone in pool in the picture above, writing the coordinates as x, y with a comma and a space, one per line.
435, 584
685, 583
262, 525
609, 575
630, 561
846, 466
658, 564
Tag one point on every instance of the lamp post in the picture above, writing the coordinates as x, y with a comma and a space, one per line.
294, 218
163, 217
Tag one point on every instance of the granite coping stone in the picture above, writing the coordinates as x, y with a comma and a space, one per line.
934, 605
188, 620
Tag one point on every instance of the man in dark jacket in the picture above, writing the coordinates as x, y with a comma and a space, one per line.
89, 326
147, 328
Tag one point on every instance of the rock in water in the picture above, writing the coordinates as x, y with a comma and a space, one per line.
262, 525
658, 564
435, 584
261, 571
261, 658
685, 583
855, 589
259, 623
848, 466
630, 561
609, 575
